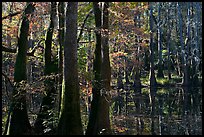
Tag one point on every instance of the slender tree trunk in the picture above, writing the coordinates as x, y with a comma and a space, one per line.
48, 100
137, 81
195, 59
183, 52
61, 14
169, 42
92, 128
105, 75
151, 49
70, 117
178, 58
187, 44
160, 73
19, 122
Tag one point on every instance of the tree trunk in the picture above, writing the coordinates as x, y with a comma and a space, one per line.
152, 73
195, 59
93, 121
160, 73
183, 52
169, 43
19, 122
48, 101
137, 81
61, 14
99, 122
70, 117
106, 76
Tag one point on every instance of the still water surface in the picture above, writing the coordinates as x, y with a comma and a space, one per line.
161, 111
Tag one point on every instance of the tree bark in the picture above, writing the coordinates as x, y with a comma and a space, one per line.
92, 128
48, 101
61, 14
19, 122
105, 75
160, 73
99, 121
152, 73
183, 51
70, 117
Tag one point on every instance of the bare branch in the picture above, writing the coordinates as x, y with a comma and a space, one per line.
82, 27
7, 78
11, 15
5, 49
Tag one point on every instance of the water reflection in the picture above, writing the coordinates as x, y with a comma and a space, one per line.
161, 111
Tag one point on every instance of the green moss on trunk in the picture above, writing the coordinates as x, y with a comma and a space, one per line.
19, 123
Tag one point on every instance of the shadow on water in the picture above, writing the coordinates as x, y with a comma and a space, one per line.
157, 111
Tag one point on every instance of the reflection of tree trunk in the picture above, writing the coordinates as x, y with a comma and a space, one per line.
152, 95
161, 128
185, 111
137, 100
195, 100
138, 111
185, 101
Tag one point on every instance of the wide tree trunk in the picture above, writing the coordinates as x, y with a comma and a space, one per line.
19, 122
99, 121
70, 117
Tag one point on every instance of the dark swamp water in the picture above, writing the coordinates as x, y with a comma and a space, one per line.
161, 111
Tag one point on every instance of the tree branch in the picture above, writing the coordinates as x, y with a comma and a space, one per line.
11, 15
7, 78
82, 27
35, 47
5, 49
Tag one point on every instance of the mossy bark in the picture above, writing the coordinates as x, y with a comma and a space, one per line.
19, 122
